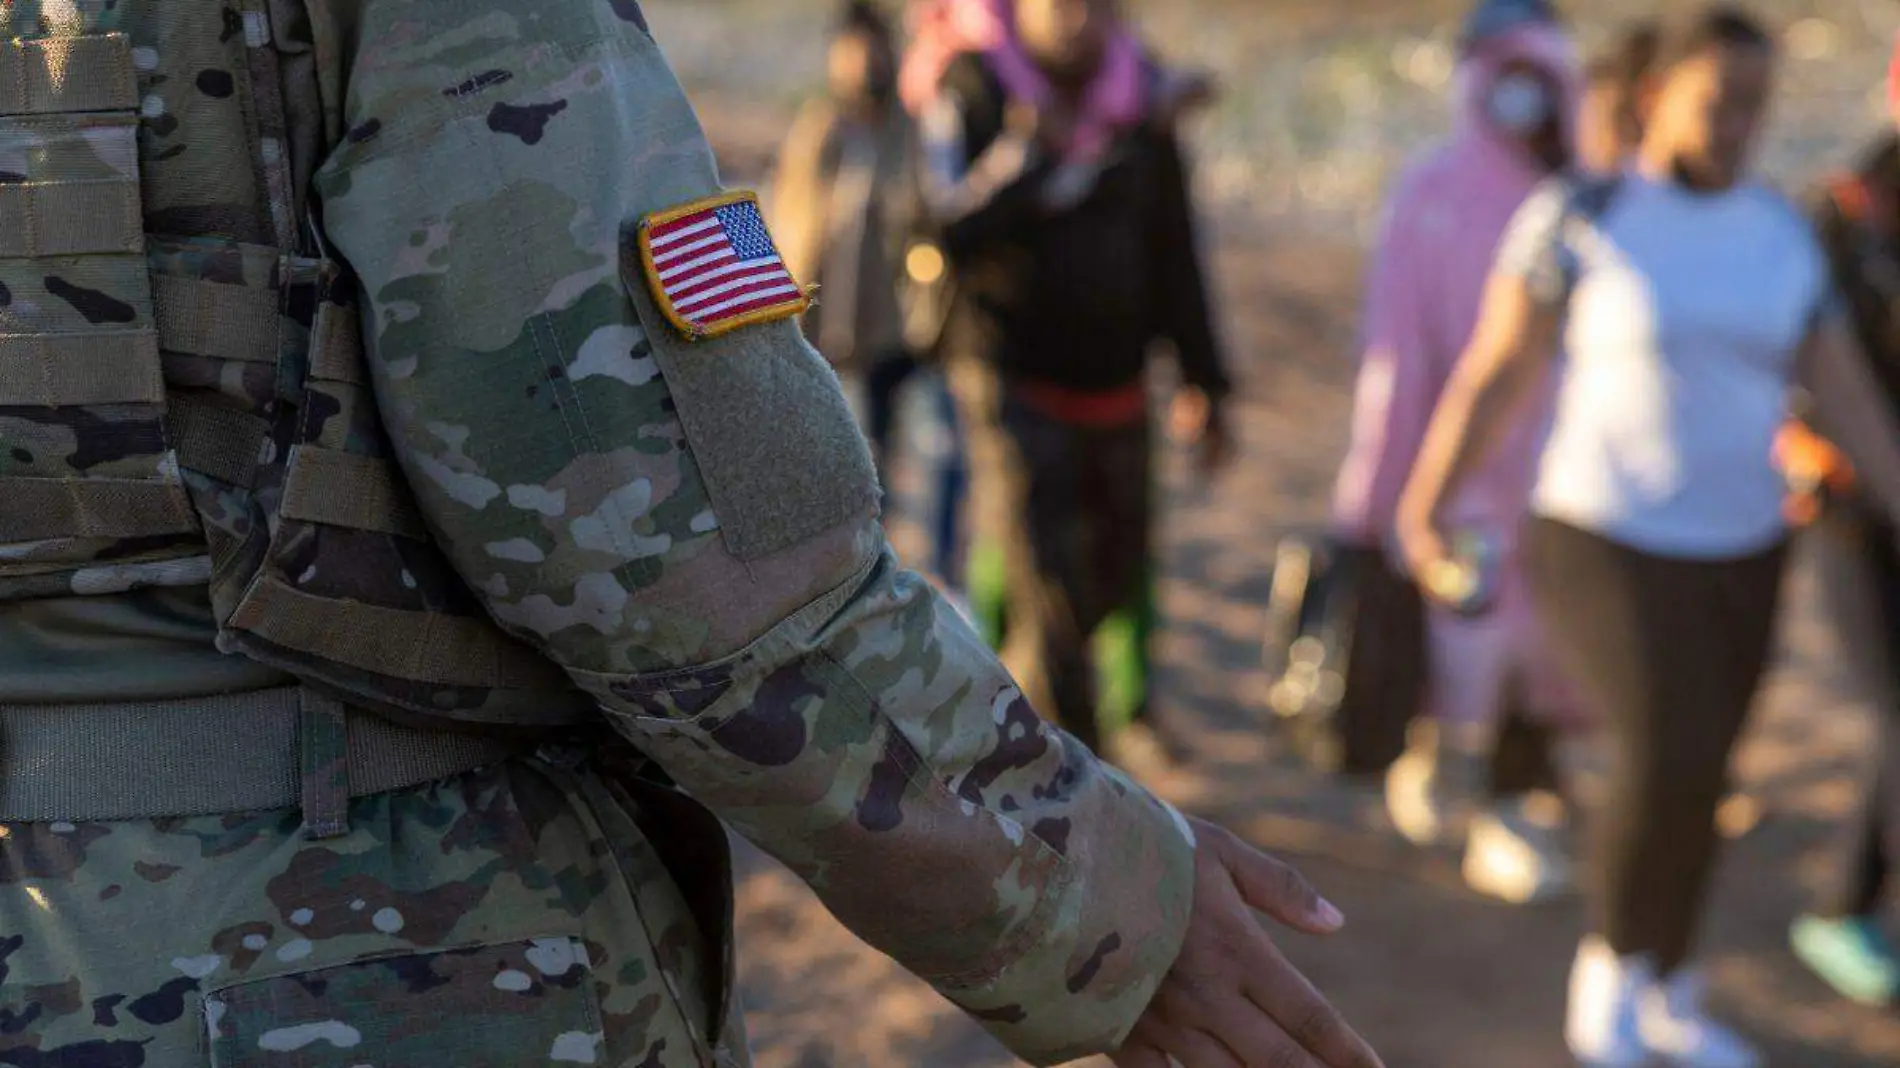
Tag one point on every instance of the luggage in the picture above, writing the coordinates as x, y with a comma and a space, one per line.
1345, 655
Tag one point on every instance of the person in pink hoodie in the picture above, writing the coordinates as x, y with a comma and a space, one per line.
1516, 89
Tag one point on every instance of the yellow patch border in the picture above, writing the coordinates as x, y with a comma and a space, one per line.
688, 329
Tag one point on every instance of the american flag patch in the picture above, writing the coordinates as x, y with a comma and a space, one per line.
713, 267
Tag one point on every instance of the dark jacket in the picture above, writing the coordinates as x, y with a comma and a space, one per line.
1076, 297
1858, 220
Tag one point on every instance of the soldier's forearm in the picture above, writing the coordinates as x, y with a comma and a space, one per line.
874, 745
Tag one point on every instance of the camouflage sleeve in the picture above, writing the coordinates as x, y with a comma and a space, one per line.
690, 529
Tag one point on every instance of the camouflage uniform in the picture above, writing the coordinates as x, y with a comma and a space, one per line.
687, 531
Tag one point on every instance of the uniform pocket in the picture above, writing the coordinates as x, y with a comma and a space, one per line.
503, 1006
782, 458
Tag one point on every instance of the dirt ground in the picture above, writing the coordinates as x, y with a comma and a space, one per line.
1435, 976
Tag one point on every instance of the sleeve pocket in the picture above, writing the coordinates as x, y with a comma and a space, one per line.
504, 1006
782, 458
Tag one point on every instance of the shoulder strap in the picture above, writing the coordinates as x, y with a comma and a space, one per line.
1593, 197
1588, 200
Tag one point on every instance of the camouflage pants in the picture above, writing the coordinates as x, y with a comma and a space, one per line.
512, 916
1071, 509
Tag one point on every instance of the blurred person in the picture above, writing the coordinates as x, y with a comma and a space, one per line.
1609, 132
841, 202
845, 202
1122, 646
1483, 762
1853, 548
1063, 202
1609, 126
1687, 299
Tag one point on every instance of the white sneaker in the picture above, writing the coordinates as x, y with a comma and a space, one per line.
1605, 992
1674, 1025
1516, 858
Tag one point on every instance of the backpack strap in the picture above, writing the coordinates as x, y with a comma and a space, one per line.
1589, 200
1541, 243
1593, 198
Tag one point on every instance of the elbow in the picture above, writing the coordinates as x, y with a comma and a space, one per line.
1487, 380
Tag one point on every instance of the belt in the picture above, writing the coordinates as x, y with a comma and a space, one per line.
1111, 409
255, 752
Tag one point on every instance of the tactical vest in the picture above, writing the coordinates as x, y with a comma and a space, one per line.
184, 397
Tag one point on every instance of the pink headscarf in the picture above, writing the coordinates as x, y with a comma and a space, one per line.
942, 30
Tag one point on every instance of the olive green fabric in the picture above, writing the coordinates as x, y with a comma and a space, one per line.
250, 752
146, 645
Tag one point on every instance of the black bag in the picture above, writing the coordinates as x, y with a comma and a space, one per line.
1345, 655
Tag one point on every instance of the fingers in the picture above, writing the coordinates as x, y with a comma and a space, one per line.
1138, 1055
1269, 886
1213, 1033
1264, 1013
1307, 1019
1421, 545
1258, 1040
1198, 1049
1232, 999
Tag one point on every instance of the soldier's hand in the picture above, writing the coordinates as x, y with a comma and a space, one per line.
1232, 999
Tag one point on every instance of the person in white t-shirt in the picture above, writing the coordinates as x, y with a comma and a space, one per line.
1687, 299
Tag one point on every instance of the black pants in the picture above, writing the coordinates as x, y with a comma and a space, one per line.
1669, 654
883, 384
1858, 571
1072, 510
1524, 756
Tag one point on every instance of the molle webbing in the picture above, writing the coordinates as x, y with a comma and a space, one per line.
51, 371
454, 651
63, 217
186, 387
71, 229
223, 443
240, 753
346, 490
42, 508
66, 74
210, 319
